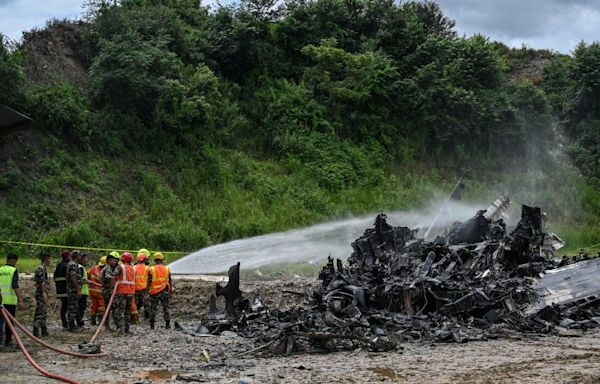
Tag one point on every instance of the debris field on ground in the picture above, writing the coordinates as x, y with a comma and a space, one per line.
519, 358
476, 281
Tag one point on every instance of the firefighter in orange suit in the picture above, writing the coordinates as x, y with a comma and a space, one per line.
95, 274
142, 286
161, 289
125, 278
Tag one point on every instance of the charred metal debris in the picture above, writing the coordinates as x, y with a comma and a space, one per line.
476, 281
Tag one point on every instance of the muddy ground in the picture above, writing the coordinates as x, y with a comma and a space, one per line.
164, 356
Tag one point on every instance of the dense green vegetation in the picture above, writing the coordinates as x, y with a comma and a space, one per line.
573, 87
202, 125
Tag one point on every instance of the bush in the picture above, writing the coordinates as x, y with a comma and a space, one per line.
281, 107
61, 108
129, 73
177, 238
333, 163
573, 85
11, 76
188, 110
80, 233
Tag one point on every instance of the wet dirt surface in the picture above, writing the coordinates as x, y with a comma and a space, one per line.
168, 356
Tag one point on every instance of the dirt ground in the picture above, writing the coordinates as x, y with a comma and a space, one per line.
168, 356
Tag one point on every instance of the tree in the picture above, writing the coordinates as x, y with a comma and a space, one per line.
128, 73
586, 72
558, 84
357, 89
263, 10
11, 76
182, 26
432, 18
62, 109
282, 107
187, 109
574, 87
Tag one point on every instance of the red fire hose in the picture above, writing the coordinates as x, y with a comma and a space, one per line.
10, 320
7, 318
43, 343
106, 312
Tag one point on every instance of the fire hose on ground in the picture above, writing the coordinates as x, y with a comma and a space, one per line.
12, 322
7, 318
44, 344
106, 312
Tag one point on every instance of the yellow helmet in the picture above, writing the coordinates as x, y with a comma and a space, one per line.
143, 251
102, 261
115, 254
158, 256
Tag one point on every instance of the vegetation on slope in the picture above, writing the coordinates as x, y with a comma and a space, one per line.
199, 125
573, 88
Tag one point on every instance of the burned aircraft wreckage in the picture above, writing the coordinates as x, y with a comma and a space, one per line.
476, 281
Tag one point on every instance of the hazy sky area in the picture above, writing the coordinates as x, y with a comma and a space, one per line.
22, 15
555, 24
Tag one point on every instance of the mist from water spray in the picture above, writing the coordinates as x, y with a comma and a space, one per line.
313, 244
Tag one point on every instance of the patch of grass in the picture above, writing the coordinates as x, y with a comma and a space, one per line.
577, 238
27, 265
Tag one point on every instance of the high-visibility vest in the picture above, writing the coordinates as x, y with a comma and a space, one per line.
160, 278
85, 287
9, 296
127, 280
96, 276
141, 276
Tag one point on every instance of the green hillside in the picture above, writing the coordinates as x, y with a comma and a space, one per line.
177, 126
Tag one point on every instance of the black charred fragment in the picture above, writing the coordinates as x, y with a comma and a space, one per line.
234, 303
474, 230
427, 264
396, 288
475, 275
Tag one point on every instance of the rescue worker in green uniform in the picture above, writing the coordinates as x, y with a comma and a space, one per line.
85, 289
42, 288
73, 291
108, 280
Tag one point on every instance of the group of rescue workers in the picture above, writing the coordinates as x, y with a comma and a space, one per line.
137, 286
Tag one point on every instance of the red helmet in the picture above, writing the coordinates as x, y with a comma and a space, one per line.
126, 257
141, 257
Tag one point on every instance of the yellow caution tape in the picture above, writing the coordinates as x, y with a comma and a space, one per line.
79, 248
